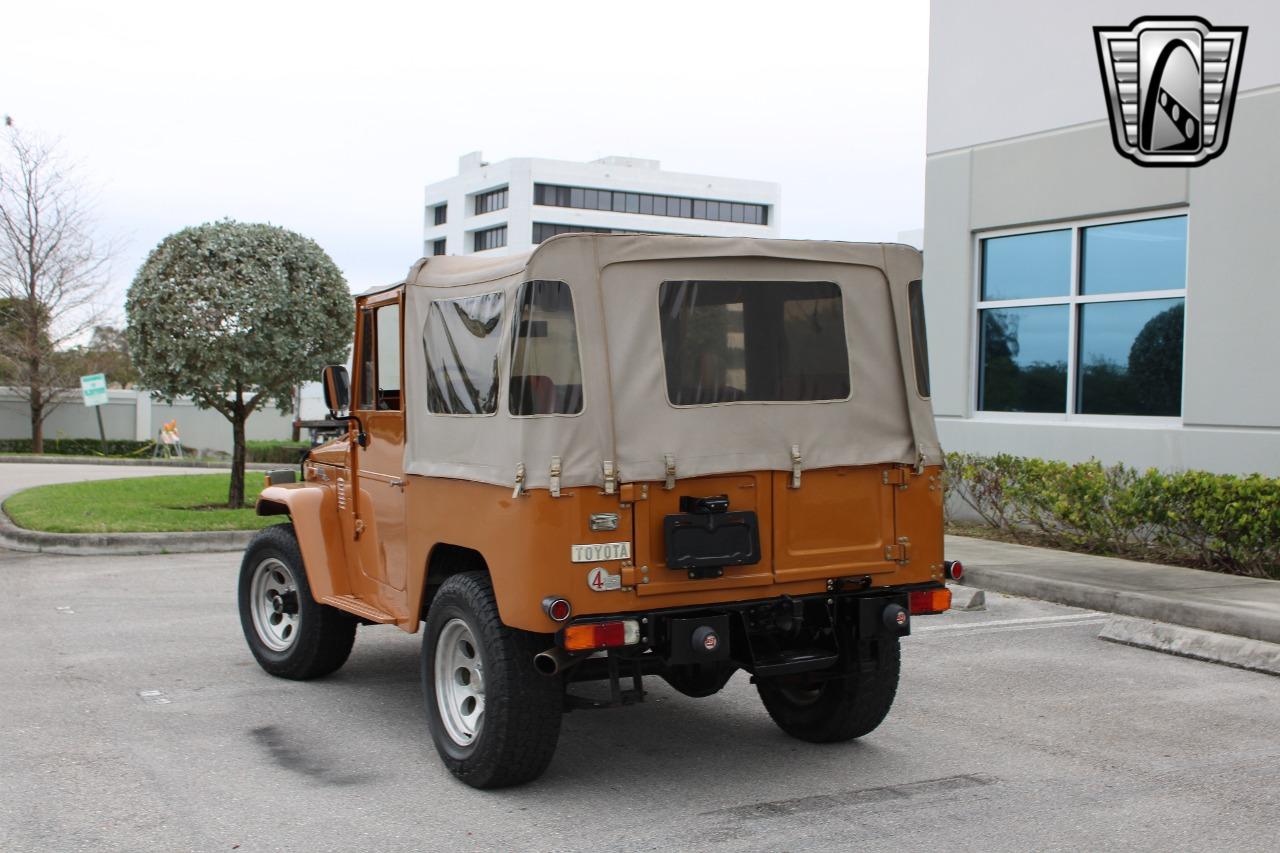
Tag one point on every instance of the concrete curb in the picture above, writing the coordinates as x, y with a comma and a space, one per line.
106, 544
52, 459
1206, 616
1193, 643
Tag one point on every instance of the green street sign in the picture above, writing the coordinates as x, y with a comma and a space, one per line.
94, 389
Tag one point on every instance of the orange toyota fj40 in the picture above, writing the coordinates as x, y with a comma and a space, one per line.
613, 457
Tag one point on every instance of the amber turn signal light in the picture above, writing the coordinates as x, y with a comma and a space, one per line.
925, 601
601, 635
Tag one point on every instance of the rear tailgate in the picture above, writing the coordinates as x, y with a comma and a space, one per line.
750, 492
839, 523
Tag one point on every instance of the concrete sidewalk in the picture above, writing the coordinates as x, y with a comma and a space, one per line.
1223, 604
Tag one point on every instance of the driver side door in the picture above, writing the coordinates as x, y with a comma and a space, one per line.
380, 407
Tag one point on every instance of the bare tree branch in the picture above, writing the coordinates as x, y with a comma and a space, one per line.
51, 274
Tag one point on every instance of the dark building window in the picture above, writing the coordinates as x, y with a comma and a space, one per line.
438, 246
490, 238
547, 230
441, 213
649, 204
491, 201
1102, 339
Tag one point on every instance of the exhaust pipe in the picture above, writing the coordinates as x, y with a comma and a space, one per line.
555, 660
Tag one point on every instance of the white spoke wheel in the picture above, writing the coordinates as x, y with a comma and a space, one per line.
494, 718
459, 674
273, 603
290, 634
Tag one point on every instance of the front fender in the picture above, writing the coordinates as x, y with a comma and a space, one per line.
313, 509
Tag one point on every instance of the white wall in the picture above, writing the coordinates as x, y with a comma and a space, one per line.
1005, 68
1003, 156
133, 415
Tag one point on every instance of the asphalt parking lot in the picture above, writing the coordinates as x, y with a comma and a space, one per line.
133, 718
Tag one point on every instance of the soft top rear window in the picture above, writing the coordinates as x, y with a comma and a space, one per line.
753, 342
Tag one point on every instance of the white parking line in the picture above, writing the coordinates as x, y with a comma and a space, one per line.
1033, 621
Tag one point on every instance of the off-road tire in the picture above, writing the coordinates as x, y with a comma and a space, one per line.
324, 634
840, 709
521, 723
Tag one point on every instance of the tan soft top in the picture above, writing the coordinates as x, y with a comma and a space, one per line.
627, 421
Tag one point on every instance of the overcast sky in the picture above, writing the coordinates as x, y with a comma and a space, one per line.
330, 119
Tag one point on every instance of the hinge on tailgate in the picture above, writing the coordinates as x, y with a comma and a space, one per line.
669, 460
610, 477
895, 476
900, 552
796, 459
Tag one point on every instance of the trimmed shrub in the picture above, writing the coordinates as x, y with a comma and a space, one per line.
283, 452
79, 446
1212, 521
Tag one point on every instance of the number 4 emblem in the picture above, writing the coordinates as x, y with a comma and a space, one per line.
601, 581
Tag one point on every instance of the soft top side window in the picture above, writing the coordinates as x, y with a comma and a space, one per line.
463, 338
546, 369
919, 340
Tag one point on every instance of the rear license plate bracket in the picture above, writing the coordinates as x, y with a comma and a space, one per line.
698, 542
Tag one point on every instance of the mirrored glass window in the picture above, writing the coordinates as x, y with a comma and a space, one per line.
1132, 256
1131, 358
1128, 352
1024, 359
1027, 266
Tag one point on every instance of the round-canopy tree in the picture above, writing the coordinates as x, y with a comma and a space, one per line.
235, 316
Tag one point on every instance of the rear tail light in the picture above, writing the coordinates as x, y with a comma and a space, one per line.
925, 601
954, 569
601, 635
557, 609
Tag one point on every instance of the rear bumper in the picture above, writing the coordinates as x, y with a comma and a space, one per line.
784, 635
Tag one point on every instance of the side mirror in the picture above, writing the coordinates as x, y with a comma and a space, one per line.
337, 388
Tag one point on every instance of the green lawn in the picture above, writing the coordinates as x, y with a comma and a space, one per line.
138, 505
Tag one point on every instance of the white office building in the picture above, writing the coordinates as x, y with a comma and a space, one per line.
513, 205
1080, 304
